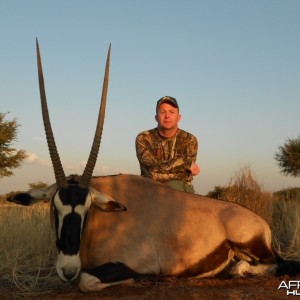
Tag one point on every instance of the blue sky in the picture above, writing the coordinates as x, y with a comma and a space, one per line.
233, 65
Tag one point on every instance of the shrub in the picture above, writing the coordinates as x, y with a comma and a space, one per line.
243, 188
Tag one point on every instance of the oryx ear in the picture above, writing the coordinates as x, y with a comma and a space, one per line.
105, 203
33, 196
22, 199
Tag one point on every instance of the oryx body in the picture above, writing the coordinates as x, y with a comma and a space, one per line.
150, 230
111, 229
165, 231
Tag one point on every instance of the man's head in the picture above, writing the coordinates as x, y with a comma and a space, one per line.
167, 99
167, 116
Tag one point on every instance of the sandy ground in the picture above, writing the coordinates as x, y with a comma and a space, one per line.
259, 288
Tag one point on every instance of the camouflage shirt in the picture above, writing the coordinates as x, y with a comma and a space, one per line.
165, 159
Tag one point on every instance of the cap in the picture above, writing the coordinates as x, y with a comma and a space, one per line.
167, 99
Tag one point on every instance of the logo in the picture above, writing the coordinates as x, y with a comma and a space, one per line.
292, 287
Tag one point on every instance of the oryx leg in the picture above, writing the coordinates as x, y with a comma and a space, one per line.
106, 275
243, 268
255, 257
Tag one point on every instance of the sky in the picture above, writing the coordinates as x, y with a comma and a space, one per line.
233, 66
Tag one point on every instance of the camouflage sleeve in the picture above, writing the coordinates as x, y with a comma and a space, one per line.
192, 150
143, 150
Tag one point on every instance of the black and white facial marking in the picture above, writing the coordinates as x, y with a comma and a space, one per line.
70, 207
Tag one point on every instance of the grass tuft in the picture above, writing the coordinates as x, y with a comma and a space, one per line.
27, 249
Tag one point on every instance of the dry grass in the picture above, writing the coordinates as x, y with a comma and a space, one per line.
27, 249
281, 210
286, 227
243, 188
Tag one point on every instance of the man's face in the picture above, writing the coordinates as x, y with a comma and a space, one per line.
167, 116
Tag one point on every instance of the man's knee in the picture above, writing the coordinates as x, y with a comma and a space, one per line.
181, 186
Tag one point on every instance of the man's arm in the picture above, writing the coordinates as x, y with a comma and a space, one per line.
192, 151
143, 153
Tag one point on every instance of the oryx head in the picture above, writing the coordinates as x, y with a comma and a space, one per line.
70, 197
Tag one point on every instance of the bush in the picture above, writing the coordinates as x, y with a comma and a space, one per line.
290, 194
244, 189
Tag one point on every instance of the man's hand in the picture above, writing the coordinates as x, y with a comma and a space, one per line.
194, 169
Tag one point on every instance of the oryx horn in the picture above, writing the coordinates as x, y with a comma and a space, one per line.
89, 168
60, 177
59, 173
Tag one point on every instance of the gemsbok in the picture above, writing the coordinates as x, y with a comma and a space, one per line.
111, 229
